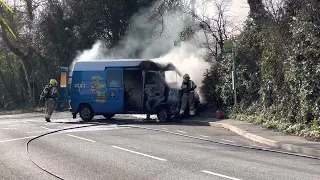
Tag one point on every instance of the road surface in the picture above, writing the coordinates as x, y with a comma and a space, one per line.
128, 149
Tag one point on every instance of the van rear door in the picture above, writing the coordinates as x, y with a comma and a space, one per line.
114, 91
62, 103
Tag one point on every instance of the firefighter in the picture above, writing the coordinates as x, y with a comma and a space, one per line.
49, 95
187, 88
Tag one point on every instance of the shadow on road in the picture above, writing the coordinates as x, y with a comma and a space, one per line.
139, 121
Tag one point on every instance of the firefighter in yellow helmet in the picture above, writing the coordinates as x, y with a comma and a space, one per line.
50, 96
188, 87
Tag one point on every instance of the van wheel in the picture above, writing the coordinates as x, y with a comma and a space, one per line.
163, 115
86, 113
108, 116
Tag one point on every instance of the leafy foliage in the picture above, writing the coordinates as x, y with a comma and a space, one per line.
51, 36
277, 58
277, 65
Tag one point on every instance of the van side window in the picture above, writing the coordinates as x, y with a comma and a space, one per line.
114, 78
151, 78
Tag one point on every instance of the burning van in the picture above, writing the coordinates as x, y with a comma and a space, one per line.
109, 87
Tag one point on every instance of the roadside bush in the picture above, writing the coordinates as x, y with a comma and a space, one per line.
278, 71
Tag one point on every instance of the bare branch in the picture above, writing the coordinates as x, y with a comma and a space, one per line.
12, 48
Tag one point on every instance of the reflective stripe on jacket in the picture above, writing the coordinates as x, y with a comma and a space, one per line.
188, 86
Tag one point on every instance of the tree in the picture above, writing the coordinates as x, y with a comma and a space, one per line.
278, 60
21, 23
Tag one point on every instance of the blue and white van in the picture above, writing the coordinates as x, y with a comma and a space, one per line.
109, 87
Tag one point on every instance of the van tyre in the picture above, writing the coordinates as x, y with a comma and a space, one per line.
163, 115
108, 116
86, 112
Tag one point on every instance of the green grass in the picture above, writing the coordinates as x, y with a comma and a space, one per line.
20, 110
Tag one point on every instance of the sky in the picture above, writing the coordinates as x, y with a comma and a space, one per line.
240, 9
236, 10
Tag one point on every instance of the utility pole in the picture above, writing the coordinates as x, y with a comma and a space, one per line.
33, 95
230, 47
234, 72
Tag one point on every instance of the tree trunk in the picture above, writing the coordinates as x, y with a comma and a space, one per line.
25, 57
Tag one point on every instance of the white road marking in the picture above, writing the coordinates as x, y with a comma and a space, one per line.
202, 136
81, 138
29, 123
227, 140
45, 128
258, 146
9, 128
9, 122
220, 175
161, 130
160, 159
165, 128
9, 140
13, 125
35, 121
96, 128
181, 131
52, 123
38, 131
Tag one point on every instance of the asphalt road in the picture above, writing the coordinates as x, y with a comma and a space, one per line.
131, 149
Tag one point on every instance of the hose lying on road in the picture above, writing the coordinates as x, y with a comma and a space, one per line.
78, 127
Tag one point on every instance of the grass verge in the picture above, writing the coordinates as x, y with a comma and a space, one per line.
20, 111
15, 111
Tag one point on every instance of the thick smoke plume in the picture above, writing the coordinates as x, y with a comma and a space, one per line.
153, 38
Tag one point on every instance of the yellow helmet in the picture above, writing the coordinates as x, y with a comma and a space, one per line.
53, 82
186, 76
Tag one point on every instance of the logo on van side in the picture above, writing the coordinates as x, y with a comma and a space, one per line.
80, 86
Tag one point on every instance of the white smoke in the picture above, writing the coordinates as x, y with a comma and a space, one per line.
154, 39
188, 58
95, 53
